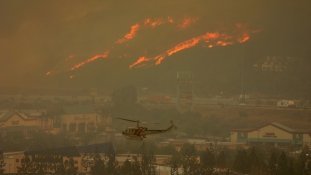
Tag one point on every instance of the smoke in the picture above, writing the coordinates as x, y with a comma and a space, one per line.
37, 36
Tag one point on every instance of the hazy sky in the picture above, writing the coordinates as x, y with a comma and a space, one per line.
38, 36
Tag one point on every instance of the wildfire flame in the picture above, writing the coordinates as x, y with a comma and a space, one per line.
221, 38
141, 60
130, 35
187, 21
153, 23
134, 29
90, 60
56, 67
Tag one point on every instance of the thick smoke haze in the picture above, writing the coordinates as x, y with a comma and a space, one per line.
41, 36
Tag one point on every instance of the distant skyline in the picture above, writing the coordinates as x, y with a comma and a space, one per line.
44, 39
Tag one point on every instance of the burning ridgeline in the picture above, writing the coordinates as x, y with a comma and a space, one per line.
222, 37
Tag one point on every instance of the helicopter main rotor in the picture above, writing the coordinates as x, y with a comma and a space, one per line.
137, 121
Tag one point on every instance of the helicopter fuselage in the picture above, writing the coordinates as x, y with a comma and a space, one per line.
134, 132
139, 133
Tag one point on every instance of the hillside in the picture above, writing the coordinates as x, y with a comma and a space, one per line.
244, 117
217, 121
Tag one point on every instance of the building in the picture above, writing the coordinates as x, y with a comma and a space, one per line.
14, 160
274, 63
200, 144
12, 122
79, 118
272, 133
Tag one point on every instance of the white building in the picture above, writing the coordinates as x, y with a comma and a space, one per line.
285, 103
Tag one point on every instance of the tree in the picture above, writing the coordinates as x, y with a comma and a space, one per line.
174, 169
291, 168
46, 167
272, 165
46, 163
137, 169
98, 164
42, 167
176, 158
228, 171
208, 160
126, 169
282, 167
307, 170
240, 163
68, 167
254, 163
189, 159
302, 159
2, 164
221, 161
60, 169
147, 161
85, 162
112, 163
26, 166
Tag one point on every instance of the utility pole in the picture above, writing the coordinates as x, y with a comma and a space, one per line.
2, 130
242, 83
257, 137
178, 96
84, 124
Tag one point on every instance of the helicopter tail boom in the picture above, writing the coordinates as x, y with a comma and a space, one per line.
170, 128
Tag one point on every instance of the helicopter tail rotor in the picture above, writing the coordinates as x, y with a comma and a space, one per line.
172, 123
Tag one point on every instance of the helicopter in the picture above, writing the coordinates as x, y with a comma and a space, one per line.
140, 132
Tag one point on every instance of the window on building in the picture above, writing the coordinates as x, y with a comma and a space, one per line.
91, 126
76, 162
15, 122
65, 127
58, 120
72, 127
81, 127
